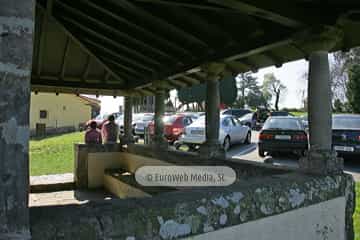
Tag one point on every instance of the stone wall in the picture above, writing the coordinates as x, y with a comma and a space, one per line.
194, 212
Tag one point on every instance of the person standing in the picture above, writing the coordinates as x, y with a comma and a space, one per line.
110, 131
93, 135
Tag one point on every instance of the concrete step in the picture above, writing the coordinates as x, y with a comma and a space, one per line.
123, 185
52, 183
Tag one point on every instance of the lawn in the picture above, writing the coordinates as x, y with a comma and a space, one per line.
357, 213
53, 155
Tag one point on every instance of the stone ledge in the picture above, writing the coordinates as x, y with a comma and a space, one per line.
187, 213
52, 183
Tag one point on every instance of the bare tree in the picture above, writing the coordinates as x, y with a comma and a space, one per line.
274, 87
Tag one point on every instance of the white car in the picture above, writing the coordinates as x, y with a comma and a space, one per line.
142, 122
231, 132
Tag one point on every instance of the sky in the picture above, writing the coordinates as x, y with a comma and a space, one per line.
290, 74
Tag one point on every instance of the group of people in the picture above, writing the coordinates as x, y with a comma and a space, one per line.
108, 134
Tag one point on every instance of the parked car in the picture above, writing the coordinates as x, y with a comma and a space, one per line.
305, 121
174, 126
236, 112
282, 134
142, 122
280, 114
249, 120
231, 132
346, 134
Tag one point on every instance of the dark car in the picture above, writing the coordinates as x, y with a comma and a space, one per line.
280, 114
346, 134
282, 134
236, 112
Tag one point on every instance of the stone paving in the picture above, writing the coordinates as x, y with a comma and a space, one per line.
52, 179
67, 197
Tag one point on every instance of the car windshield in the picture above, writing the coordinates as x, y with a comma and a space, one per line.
279, 114
346, 123
170, 119
283, 124
246, 117
101, 116
147, 117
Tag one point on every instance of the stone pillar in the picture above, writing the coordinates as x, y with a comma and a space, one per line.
159, 140
128, 130
320, 158
16, 46
212, 147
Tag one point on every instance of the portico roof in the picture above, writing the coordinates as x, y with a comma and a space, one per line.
119, 47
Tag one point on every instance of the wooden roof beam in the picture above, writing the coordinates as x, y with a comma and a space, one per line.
83, 47
117, 32
118, 56
161, 23
190, 5
252, 10
163, 41
118, 45
66, 52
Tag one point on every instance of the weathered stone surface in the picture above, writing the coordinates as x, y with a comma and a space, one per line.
16, 44
184, 213
81, 152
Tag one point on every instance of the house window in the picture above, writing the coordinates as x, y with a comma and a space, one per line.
43, 114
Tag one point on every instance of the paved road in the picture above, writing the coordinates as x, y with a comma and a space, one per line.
249, 152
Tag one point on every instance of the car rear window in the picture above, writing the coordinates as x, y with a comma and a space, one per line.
169, 119
147, 117
283, 123
346, 123
280, 114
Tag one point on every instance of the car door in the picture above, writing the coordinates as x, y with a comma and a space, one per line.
225, 129
241, 130
235, 130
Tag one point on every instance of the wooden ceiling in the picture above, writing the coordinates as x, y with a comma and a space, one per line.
119, 47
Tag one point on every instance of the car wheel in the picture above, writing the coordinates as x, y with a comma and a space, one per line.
261, 152
248, 138
227, 143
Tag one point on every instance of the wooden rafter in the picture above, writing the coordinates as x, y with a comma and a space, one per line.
193, 5
252, 10
111, 42
131, 71
82, 46
66, 52
163, 41
109, 51
87, 68
170, 28
119, 34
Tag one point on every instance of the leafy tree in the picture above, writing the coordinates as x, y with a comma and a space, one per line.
339, 107
249, 92
273, 87
246, 83
353, 88
197, 93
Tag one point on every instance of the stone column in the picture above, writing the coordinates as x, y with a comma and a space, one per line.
158, 139
128, 130
16, 46
212, 147
320, 158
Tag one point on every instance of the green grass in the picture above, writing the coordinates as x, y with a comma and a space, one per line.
298, 114
53, 155
357, 213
